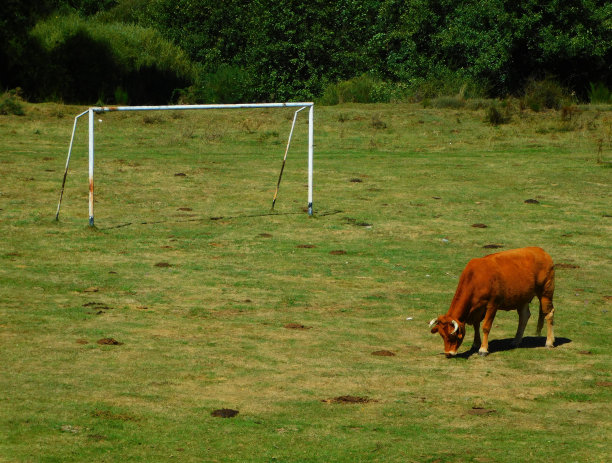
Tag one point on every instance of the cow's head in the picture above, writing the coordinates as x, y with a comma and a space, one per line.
451, 331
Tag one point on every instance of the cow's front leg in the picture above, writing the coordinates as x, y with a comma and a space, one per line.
486, 328
524, 315
477, 342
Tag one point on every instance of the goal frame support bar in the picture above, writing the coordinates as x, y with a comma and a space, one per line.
103, 109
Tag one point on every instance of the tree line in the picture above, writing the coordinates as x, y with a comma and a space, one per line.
157, 51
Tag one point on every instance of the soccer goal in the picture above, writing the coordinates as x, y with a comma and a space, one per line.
91, 111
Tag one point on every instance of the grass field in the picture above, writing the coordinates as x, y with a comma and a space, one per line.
120, 342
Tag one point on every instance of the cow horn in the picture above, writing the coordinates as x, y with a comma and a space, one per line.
456, 325
433, 323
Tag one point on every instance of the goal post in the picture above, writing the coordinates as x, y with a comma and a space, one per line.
103, 109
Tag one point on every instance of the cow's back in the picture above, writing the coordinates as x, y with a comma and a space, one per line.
509, 278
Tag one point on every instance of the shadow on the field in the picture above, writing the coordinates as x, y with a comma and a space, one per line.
502, 345
206, 219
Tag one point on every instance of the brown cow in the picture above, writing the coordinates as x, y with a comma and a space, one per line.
506, 280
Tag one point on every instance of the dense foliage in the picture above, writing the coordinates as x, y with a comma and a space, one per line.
87, 60
296, 49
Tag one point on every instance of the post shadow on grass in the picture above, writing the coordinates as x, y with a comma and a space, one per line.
503, 345
206, 219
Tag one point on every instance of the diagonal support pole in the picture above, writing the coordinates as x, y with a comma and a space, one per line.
285, 157
59, 204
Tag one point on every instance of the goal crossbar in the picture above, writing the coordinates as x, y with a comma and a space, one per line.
102, 109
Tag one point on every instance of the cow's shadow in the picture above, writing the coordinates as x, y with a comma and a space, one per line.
502, 345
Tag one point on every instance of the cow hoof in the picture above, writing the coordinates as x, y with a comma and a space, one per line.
483, 353
550, 346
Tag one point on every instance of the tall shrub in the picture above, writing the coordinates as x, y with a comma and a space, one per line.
88, 60
599, 93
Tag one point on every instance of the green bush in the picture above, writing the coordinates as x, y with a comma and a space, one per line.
121, 96
330, 96
445, 83
452, 102
496, 117
228, 84
390, 92
449, 91
545, 94
599, 93
11, 103
362, 89
356, 90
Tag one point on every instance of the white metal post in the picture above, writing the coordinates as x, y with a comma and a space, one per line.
91, 168
93, 111
310, 155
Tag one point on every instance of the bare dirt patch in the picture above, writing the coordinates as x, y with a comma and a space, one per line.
163, 264
564, 266
224, 413
297, 326
109, 342
306, 246
185, 209
604, 383
97, 307
479, 225
348, 399
532, 201
338, 252
353, 221
265, 235
91, 289
493, 246
383, 353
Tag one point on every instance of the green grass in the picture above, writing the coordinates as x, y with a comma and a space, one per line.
205, 329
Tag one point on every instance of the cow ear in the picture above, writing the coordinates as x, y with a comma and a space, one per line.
434, 329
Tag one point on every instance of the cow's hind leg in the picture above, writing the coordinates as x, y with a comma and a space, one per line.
547, 310
524, 315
